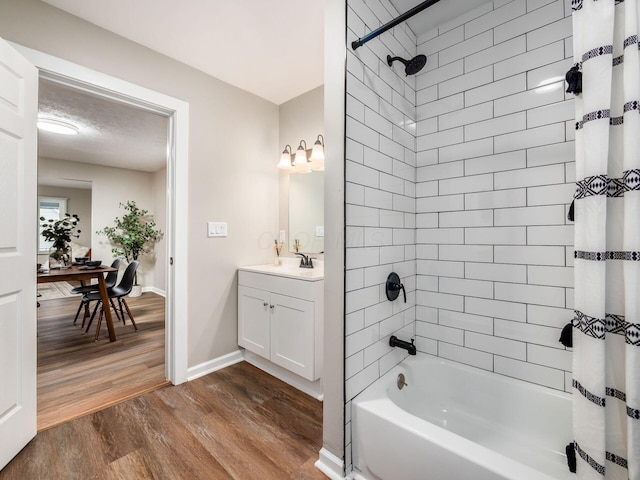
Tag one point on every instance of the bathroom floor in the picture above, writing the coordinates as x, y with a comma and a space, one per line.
236, 423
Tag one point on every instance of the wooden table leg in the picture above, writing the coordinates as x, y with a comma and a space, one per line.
106, 307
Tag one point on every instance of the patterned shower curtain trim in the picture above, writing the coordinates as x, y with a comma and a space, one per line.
606, 365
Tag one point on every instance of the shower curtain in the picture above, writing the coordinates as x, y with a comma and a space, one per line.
606, 334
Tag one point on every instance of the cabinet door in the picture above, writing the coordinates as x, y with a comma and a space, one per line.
253, 320
292, 346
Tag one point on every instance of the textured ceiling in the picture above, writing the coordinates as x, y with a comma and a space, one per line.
111, 133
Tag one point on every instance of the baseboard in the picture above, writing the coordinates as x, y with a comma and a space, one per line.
313, 389
213, 365
330, 465
155, 290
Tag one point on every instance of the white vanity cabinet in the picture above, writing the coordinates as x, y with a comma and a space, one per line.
280, 319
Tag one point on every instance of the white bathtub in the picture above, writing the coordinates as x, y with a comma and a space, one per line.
454, 422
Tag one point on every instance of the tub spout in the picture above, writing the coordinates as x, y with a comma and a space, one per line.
396, 342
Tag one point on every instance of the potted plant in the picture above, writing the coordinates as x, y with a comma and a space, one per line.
60, 233
133, 235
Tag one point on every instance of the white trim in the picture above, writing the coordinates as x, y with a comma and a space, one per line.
330, 465
155, 290
63, 71
213, 365
313, 389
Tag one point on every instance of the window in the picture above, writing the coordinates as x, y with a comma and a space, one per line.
49, 208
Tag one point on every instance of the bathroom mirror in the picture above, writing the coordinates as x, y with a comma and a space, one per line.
306, 212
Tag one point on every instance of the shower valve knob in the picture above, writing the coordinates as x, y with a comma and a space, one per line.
394, 286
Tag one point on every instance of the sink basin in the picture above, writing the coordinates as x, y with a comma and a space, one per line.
289, 269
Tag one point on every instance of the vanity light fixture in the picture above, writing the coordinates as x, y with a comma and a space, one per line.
317, 155
57, 126
304, 161
285, 159
301, 162
301, 154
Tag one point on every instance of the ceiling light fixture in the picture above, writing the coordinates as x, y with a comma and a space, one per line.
57, 126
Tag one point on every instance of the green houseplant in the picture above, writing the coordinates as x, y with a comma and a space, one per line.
60, 232
133, 234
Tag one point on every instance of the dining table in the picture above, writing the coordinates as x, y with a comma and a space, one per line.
84, 274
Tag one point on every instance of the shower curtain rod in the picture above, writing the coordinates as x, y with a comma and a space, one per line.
405, 16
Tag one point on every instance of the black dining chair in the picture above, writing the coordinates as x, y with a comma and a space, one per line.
110, 281
116, 292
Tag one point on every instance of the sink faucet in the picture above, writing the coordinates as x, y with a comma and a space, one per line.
305, 260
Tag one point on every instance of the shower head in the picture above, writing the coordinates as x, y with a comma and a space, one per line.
411, 67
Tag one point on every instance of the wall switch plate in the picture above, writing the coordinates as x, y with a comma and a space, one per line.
216, 229
320, 231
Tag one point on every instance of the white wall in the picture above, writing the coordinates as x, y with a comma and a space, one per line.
495, 180
159, 202
109, 187
333, 411
79, 203
380, 198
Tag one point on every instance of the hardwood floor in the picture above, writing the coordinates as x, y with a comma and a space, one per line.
237, 423
77, 376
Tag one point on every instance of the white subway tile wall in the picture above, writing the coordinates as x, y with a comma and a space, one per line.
381, 166
501, 279
459, 179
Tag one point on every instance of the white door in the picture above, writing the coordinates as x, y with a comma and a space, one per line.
18, 224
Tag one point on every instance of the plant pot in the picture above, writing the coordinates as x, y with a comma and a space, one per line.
60, 257
136, 291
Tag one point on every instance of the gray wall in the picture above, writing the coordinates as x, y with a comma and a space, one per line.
109, 187
225, 123
301, 118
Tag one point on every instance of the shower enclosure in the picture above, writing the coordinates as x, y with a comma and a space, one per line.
459, 178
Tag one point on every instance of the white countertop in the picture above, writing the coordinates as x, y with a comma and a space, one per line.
290, 268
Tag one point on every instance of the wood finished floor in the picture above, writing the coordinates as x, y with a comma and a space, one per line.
237, 423
77, 376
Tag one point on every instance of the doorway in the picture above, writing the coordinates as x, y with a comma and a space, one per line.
177, 112
117, 155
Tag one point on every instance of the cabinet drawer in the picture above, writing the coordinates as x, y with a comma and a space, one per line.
284, 286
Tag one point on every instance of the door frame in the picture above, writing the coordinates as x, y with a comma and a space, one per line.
177, 111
